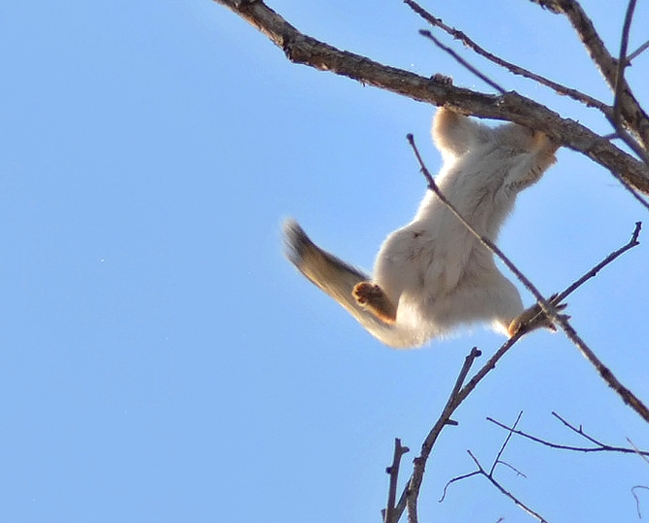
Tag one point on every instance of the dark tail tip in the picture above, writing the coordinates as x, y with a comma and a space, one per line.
296, 242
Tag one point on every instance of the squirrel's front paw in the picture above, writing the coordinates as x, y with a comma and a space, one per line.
442, 79
371, 297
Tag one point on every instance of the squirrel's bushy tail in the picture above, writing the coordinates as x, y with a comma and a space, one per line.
338, 279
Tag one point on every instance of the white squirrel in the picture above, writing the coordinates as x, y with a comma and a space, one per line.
434, 275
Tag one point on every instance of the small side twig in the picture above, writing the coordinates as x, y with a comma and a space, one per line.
633, 242
577, 430
504, 445
490, 476
505, 492
597, 445
637, 53
639, 452
637, 500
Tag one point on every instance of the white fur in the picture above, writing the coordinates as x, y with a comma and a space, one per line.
434, 269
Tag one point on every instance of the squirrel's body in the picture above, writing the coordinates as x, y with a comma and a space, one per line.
433, 274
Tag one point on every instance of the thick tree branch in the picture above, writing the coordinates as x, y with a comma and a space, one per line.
303, 49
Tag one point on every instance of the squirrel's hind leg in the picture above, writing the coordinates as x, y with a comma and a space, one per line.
372, 298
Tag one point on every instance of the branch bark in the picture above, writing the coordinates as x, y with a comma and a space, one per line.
302, 49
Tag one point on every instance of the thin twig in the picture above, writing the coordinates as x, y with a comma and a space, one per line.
508, 494
462, 61
637, 53
621, 62
600, 447
512, 68
511, 467
639, 452
455, 479
490, 475
637, 500
502, 448
627, 396
393, 470
620, 85
633, 242
631, 111
576, 430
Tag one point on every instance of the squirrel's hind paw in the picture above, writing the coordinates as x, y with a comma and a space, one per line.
372, 298
534, 318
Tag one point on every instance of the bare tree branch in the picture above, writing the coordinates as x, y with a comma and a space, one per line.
548, 307
414, 485
634, 116
599, 447
639, 452
589, 101
622, 62
504, 445
393, 470
490, 476
637, 52
505, 492
633, 242
637, 500
607, 375
300, 48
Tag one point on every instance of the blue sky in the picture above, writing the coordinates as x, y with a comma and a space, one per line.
162, 361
